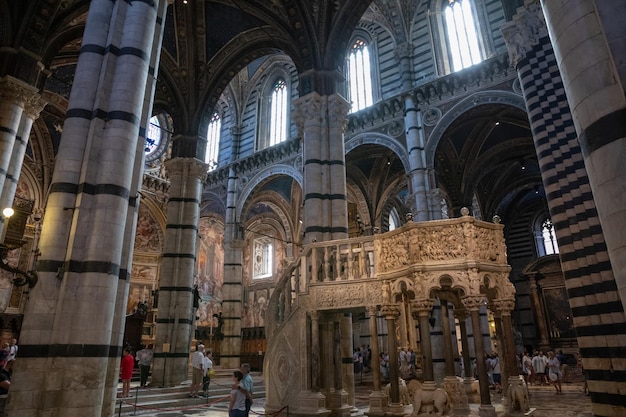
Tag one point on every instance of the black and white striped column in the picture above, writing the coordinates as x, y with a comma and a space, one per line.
72, 326
176, 320
322, 121
15, 95
597, 308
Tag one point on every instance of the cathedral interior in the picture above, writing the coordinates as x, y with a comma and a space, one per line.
286, 181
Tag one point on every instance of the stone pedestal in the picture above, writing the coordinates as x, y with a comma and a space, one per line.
337, 403
378, 403
311, 404
457, 396
472, 389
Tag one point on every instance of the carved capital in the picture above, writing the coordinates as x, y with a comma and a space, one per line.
461, 315
315, 315
186, 166
473, 302
390, 311
307, 110
422, 306
372, 311
504, 306
338, 109
16, 91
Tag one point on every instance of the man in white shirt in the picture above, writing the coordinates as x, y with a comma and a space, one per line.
206, 380
197, 371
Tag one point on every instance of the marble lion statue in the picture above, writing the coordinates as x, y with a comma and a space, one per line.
428, 401
518, 398
404, 392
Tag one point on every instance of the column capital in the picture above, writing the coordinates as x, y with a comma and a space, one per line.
338, 109
17, 91
315, 315
189, 166
307, 110
474, 302
460, 314
524, 31
504, 306
422, 306
372, 311
390, 311
34, 106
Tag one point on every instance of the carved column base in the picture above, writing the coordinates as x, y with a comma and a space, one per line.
472, 389
455, 388
310, 404
396, 409
517, 395
487, 411
337, 403
378, 403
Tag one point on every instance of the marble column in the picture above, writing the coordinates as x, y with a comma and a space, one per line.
175, 324
391, 312
347, 365
233, 273
451, 383
469, 381
540, 318
322, 119
15, 96
473, 303
32, 107
82, 268
422, 308
514, 382
377, 398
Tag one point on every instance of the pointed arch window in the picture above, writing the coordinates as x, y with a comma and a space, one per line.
360, 75
278, 113
463, 41
549, 238
213, 141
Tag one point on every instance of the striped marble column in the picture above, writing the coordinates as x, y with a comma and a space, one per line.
322, 121
175, 324
232, 290
32, 108
15, 95
71, 328
567, 170
590, 59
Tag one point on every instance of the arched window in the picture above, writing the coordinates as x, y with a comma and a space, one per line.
462, 36
394, 219
549, 238
545, 238
158, 133
213, 141
278, 113
262, 260
360, 75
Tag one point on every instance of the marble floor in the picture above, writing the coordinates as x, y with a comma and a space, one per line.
544, 402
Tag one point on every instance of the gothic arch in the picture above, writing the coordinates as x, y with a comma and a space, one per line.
261, 176
382, 140
474, 100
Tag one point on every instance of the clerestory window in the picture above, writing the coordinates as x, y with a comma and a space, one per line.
360, 75
278, 113
213, 141
463, 42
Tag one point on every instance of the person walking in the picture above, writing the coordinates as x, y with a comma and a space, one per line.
144, 358
554, 372
197, 370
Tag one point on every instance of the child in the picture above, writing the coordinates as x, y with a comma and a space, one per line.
126, 371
